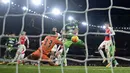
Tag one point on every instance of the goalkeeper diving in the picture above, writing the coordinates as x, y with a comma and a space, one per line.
71, 29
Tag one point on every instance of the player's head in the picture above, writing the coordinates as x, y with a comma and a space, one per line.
107, 25
54, 29
23, 33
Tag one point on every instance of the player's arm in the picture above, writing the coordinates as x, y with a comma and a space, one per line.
58, 42
112, 32
27, 42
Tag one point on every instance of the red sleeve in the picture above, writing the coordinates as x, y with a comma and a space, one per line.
58, 42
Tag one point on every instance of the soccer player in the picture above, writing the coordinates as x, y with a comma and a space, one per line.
21, 48
70, 30
44, 50
56, 53
11, 43
106, 43
54, 31
56, 50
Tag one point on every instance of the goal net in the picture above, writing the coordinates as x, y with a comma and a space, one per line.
37, 18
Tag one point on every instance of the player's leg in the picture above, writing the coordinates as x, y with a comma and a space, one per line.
112, 54
35, 55
52, 54
101, 52
20, 58
16, 56
58, 60
6, 54
10, 51
45, 58
58, 55
67, 44
65, 55
107, 50
19, 51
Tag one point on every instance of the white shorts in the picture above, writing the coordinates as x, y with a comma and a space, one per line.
105, 44
20, 56
21, 48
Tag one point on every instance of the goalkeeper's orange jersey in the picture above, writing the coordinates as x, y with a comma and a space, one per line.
48, 43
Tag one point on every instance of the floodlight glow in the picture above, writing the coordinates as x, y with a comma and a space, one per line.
29, 10
43, 15
47, 17
12, 2
84, 23
25, 8
5, 1
36, 2
70, 18
56, 11
104, 27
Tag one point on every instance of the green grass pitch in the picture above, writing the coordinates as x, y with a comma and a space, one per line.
57, 69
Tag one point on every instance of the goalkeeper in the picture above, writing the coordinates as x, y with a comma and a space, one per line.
11, 42
68, 31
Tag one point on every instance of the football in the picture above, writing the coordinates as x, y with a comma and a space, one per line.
75, 39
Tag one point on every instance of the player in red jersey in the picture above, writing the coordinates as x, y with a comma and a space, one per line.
21, 48
106, 43
44, 50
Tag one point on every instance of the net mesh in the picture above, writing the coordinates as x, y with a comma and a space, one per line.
85, 61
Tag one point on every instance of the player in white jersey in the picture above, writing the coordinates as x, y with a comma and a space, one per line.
56, 53
21, 48
106, 43
56, 50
